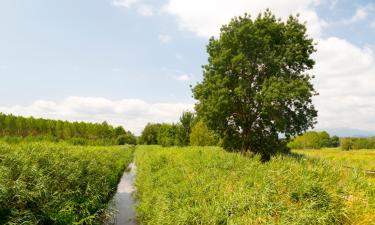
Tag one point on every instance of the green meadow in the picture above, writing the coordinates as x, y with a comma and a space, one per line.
357, 159
45, 183
207, 185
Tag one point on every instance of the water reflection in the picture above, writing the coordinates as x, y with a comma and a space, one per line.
123, 201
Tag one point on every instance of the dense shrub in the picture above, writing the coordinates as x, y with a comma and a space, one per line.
127, 138
164, 134
168, 135
149, 134
58, 183
78, 141
201, 135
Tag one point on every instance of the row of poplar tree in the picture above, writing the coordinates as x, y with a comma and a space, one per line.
17, 128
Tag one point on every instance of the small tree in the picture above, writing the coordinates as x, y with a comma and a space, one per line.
346, 143
334, 141
186, 122
255, 86
202, 136
149, 134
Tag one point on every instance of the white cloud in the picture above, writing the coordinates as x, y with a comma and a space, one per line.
345, 78
164, 38
145, 10
183, 77
361, 14
178, 74
124, 3
142, 9
133, 114
206, 17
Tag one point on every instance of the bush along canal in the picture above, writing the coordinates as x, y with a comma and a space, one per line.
123, 202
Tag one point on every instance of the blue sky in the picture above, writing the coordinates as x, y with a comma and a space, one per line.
54, 49
132, 61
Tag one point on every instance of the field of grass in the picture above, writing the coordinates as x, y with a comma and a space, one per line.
361, 159
58, 183
210, 186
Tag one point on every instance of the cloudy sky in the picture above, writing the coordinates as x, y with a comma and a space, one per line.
132, 61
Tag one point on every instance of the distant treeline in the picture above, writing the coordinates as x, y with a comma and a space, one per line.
191, 130
357, 143
317, 140
18, 128
314, 140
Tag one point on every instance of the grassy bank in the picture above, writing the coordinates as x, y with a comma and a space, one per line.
58, 183
209, 186
361, 159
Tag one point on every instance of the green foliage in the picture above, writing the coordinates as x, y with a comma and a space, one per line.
313, 140
334, 141
317, 140
78, 141
149, 134
168, 135
58, 183
201, 135
15, 129
127, 138
121, 140
197, 185
364, 143
187, 121
255, 84
357, 143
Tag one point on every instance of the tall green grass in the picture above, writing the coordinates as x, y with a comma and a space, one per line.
360, 159
210, 186
44, 183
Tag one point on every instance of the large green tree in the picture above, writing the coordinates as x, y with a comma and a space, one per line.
255, 88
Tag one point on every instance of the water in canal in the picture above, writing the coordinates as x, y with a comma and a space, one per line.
123, 201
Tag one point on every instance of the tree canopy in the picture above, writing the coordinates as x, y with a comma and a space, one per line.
255, 87
76, 132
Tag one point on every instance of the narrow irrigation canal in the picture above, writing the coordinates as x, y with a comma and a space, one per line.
123, 201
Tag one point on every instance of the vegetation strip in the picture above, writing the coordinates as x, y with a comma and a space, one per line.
58, 183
